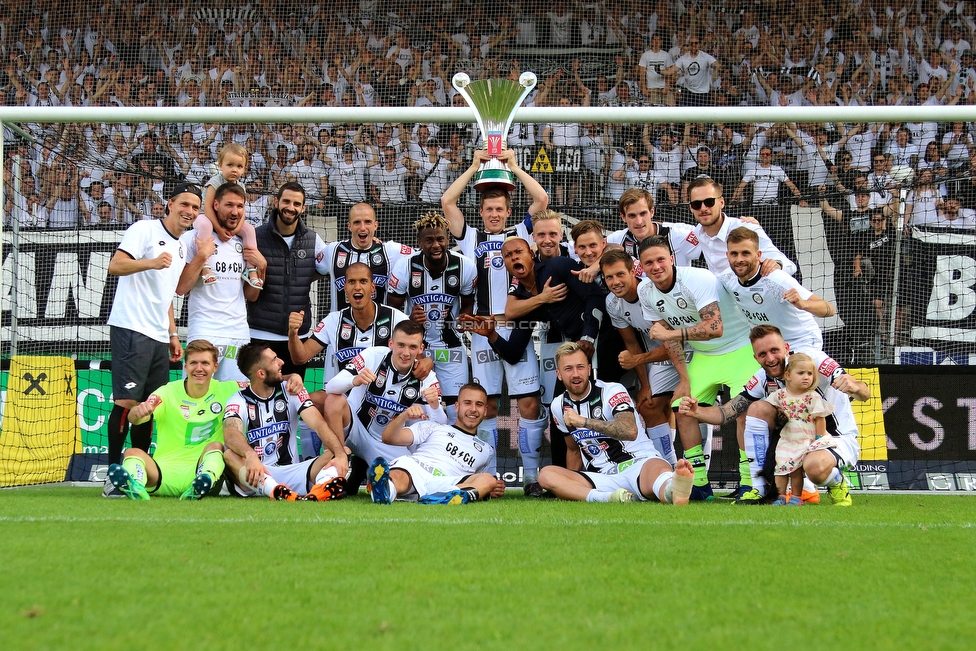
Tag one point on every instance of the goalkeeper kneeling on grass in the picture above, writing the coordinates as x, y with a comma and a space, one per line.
188, 413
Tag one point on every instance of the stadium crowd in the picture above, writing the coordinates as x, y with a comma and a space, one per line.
404, 53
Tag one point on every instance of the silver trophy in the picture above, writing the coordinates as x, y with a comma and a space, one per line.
494, 102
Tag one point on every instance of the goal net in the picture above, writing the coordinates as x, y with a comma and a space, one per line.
876, 208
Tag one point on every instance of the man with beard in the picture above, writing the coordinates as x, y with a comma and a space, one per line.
362, 247
647, 357
261, 435
775, 298
435, 286
448, 464
706, 203
822, 467
295, 258
609, 456
217, 311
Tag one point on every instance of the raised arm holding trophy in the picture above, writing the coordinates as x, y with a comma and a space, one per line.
494, 102
495, 171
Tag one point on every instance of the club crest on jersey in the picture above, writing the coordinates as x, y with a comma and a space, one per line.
346, 331
382, 332
598, 412
416, 279
682, 303
757, 298
341, 259
410, 393
452, 281
216, 407
377, 258
279, 405
238, 247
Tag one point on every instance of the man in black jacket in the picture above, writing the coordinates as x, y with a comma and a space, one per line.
295, 259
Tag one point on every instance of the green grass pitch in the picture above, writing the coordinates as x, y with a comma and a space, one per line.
82, 572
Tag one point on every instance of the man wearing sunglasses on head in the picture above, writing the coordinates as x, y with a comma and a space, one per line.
706, 203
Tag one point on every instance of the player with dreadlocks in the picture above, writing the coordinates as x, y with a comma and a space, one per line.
433, 287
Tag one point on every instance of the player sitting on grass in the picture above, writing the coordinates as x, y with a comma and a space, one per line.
265, 460
609, 456
447, 463
805, 429
189, 433
376, 385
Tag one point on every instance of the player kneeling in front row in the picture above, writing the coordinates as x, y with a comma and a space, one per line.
260, 434
448, 462
188, 458
609, 456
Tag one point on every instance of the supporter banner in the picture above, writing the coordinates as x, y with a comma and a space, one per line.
64, 291
943, 276
930, 422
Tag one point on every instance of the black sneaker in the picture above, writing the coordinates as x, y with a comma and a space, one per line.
356, 475
532, 489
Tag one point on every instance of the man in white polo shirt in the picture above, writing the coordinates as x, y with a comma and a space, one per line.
144, 340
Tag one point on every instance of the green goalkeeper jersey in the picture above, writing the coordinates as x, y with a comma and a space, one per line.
182, 421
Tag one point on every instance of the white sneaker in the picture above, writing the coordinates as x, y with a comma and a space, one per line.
622, 495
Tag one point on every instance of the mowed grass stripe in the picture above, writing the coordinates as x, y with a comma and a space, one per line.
481, 521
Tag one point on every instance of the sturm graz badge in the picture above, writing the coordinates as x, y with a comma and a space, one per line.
383, 332
410, 393
757, 298
302, 254
682, 303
